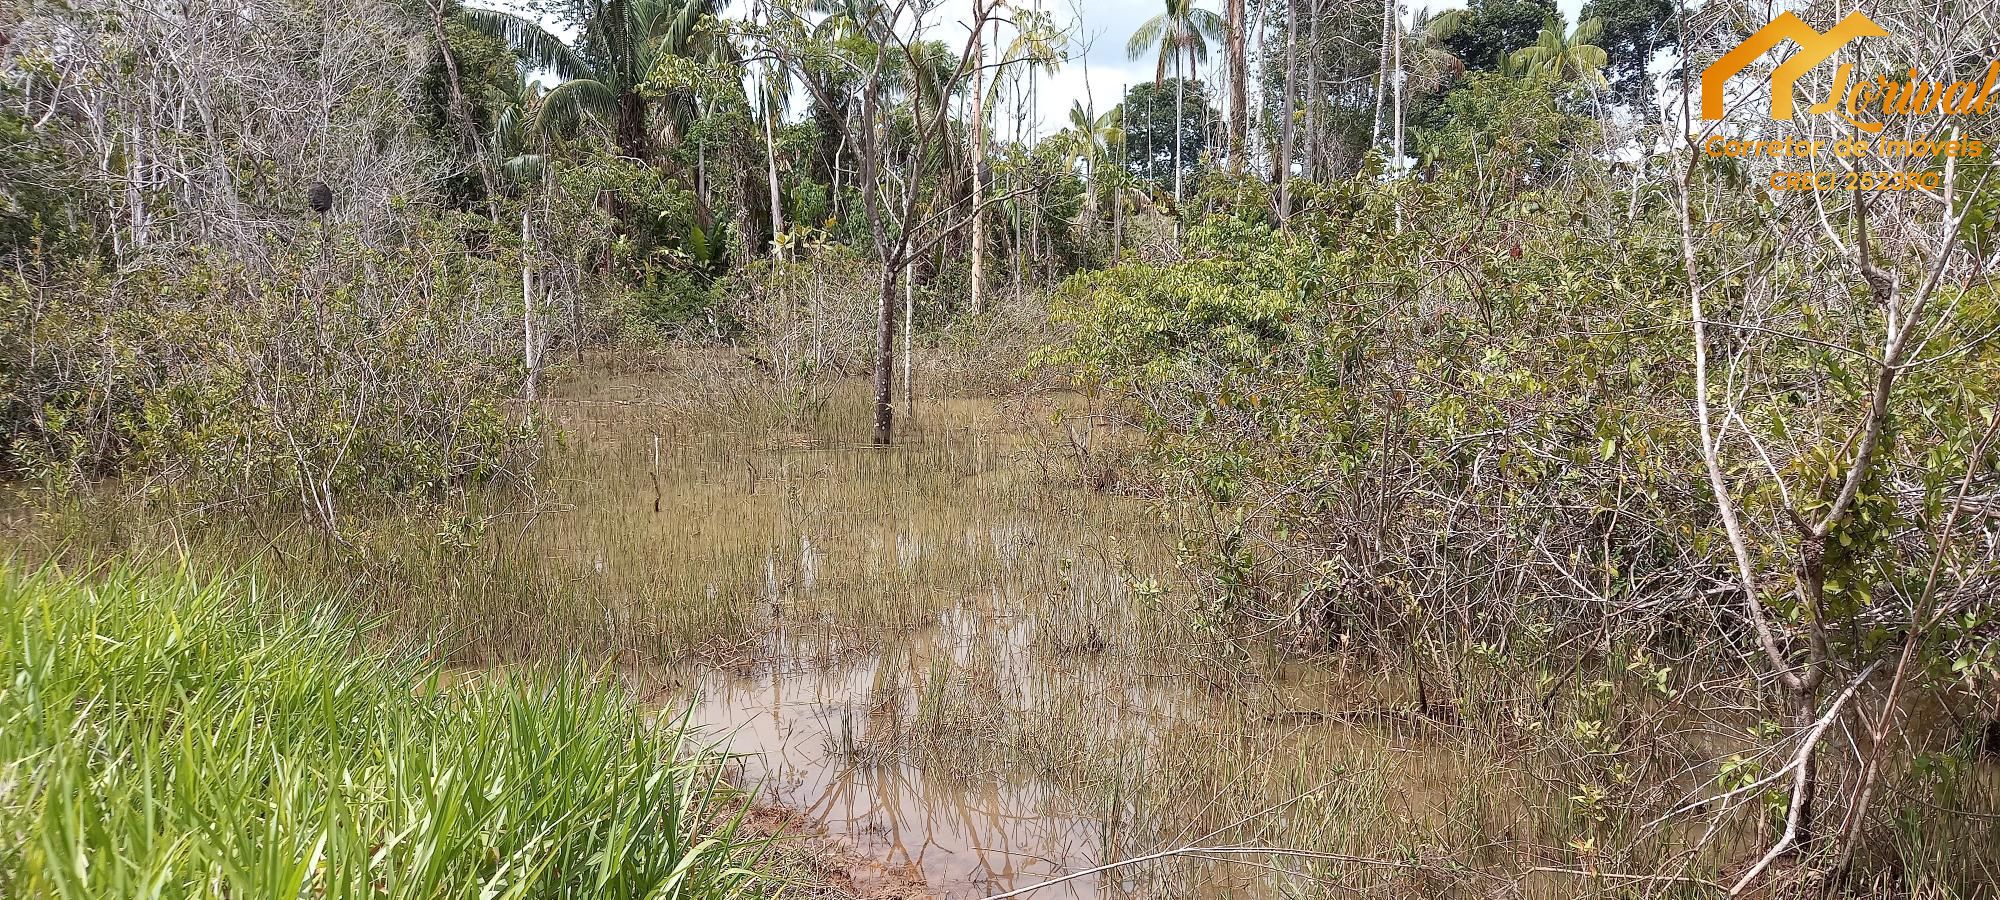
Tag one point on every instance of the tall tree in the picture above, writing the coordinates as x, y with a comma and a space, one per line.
621, 43
1564, 57
1180, 35
977, 163
1288, 133
1634, 31
903, 88
1153, 131
1486, 31
1087, 143
1239, 92
1432, 65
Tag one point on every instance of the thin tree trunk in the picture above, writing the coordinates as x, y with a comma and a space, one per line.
1118, 185
1313, 96
839, 210
1180, 119
885, 355
978, 157
771, 173
1396, 162
531, 350
1382, 76
1152, 125
1396, 41
909, 331
1288, 137
1239, 93
1033, 213
1258, 132
1020, 212
461, 111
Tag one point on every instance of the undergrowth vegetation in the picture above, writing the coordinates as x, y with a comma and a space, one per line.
1457, 426
162, 737
325, 369
1498, 417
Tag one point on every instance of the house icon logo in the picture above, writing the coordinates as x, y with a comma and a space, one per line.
1814, 48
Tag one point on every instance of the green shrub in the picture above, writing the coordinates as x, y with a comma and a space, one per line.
162, 738
326, 368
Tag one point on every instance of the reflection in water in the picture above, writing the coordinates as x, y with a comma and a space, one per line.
968, 838
887, 615
962, 661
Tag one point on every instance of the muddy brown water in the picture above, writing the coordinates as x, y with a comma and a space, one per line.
965, 837
954, 654
910, 611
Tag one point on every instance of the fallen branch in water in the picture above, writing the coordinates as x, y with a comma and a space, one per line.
1621, 876
1801, 780
1211, 851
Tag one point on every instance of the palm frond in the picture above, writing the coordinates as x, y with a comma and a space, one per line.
1446, 25
1146, 38
570, 103
531, 42
678, 31
1587, 31
524, 167
1207, 25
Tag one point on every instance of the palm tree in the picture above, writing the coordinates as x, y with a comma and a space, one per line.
1573, 58
1180, 33
769, 104
511, 142
1433, 65
1089, 138
621, 44
1087, 142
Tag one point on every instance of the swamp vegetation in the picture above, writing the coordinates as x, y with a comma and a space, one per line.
672, 449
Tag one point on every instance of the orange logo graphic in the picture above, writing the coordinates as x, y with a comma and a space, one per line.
1814, 48
1864, 103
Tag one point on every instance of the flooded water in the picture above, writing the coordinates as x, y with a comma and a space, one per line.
963, 660
912, 608
800, 730
955, 655
959, 657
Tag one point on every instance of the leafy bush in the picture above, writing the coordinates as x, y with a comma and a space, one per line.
1480, 430
323, 368
1464, 438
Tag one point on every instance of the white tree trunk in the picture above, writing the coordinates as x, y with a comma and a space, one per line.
978, 157
909, 327
531, 344
1180, 117
1396, 43
771, 172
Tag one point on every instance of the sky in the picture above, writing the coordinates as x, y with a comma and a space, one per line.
1098, 69
1104, 25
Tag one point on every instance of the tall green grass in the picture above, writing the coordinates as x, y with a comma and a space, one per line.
161, 738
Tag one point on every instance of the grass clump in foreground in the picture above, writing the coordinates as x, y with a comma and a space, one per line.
161, 738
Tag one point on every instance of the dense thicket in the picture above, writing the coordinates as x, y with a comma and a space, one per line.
1528, 417
1452, 345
